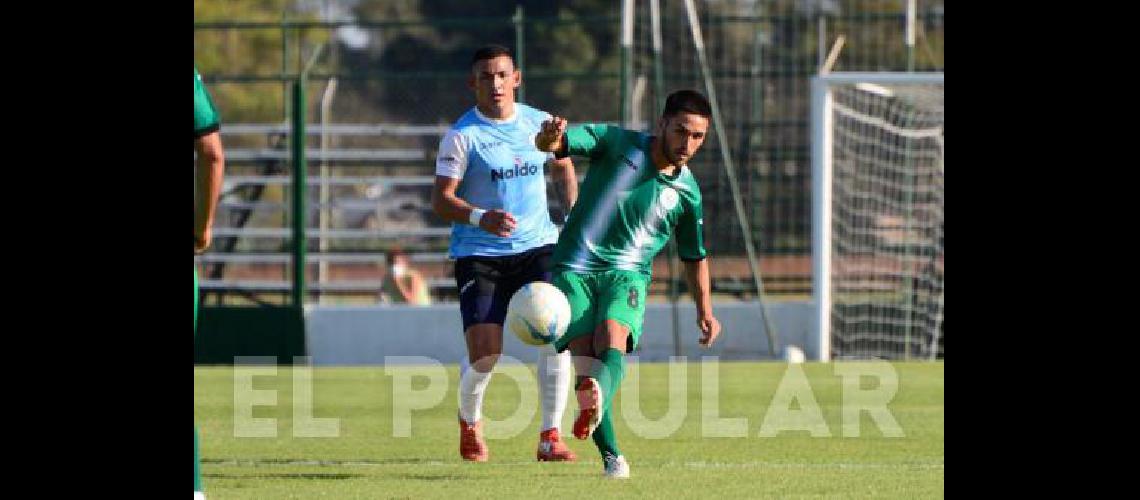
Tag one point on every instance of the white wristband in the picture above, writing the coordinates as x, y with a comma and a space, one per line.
476, 216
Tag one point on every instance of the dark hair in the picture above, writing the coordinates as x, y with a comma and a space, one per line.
392, 253
491, 52
687, 101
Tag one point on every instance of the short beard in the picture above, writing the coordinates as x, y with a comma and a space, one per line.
667, 153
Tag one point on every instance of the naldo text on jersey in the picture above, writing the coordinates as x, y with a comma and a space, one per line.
518, 171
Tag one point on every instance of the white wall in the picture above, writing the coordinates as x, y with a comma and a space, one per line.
359, 335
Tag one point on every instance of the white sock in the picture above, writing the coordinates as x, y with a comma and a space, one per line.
472, 384
553, 384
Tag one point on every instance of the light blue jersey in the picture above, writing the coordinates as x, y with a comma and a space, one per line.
499, 168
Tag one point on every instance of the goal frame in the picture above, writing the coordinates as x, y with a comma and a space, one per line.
821, 163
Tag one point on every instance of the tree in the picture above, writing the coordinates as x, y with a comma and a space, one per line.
230, 52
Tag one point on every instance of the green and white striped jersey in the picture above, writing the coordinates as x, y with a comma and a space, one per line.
205, 114
627, 209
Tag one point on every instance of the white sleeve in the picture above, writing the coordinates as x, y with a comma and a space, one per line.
452, 158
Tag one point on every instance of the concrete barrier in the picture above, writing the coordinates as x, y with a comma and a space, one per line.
364, 335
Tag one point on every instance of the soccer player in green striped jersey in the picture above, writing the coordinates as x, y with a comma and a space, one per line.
637, 192
210, 164
209, 167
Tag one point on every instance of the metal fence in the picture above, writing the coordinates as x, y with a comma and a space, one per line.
381, 93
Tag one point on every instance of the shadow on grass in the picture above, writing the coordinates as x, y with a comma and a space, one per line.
298, 475
301, 461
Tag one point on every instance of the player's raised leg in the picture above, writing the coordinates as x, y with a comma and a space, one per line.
623, 310
578, 340
586, 387
610, 341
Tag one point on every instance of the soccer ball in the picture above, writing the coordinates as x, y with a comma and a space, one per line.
794, 355
538, 313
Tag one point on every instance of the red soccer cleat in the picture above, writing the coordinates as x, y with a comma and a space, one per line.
471, 445
589, 408
552, 449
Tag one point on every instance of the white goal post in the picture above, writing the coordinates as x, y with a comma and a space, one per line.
878, 204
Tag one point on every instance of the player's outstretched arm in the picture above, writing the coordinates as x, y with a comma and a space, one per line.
566, 180
697, 276
208, 185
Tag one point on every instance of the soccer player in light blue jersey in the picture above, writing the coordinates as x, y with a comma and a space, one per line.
491, 184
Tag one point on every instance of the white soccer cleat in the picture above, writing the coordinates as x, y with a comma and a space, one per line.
198, 495
616, 467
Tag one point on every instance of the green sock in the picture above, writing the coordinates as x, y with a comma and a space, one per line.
604, 437
197, 468
609, 373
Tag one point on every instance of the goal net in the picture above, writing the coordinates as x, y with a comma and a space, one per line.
878, 214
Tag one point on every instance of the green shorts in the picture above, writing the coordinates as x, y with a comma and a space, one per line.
597, 296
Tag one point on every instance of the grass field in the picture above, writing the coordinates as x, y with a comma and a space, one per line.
365, 460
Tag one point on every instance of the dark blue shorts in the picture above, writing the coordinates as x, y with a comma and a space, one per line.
486, 284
